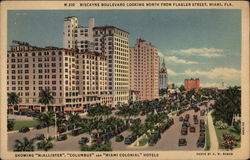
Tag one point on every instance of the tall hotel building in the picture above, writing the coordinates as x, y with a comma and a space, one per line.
77, 80
144, 70
109, 41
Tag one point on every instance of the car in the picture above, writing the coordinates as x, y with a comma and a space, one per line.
40, 137
184, 131
182, 142
202, 113
196, 121
192, 129
185, 124
40, 126
71, 127
187, 115
24, 129
180, 118
202, 128
200, 142
130, 139
202, 122
195, 116
62, 137
83, 140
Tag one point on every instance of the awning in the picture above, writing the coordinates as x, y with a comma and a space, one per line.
23, 108
37, 108
73, 109
10, 107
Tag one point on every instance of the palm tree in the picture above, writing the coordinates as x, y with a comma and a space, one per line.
228, 104
45, 97
45, 144
24, 146
13, 99
74, 118
48, 119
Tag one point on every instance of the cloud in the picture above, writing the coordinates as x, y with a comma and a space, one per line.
160, 54
171, 72
205, 52
210, 85
177, 60
216, 73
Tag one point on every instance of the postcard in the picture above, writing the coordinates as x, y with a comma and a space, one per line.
124, 80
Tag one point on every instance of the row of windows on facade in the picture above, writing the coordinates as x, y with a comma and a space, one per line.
110, 32
36, 60
35, 54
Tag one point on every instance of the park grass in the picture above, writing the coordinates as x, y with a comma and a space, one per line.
18, 124
143, 142
230, 130
207, 148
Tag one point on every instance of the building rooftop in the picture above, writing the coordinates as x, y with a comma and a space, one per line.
112, 27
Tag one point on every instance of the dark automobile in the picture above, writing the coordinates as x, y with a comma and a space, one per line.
130, 139
24, 130
202, 122
200, 142
62, 137
202, 113
83, 140
192, 129
40, 126
195, 116
61, 130
202, 128
196, 121
184, 131
77, 132
155, 138
71, 127
180, 118
40, 137
182, 142
185, 124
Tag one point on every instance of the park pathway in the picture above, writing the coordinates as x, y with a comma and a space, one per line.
213, 137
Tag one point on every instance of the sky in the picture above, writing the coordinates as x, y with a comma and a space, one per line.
204, 44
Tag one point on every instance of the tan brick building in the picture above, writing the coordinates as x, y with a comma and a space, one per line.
144, 70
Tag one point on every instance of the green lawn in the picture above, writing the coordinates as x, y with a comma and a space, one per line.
27, 123
230, 130
207, 137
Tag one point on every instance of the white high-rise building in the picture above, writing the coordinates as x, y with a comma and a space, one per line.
108, 40
163, 76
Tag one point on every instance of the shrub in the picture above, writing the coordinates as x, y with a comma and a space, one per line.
223, 126
119, 138
229, 141
143, 141
10, 125
237, 127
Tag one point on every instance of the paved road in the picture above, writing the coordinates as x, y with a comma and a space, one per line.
213, 138
169, 139
31, 134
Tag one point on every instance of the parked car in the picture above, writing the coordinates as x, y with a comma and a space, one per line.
40, 137
202, 128
71, 127
202, 122
184, 131
182, 142
192, 129
77, 132
83, 140
180, 118
40, 126
62, 137
130, 139
200, 142
24, 129
185, 124
202, 112
196, 121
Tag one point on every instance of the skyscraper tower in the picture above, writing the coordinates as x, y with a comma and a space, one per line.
163, 76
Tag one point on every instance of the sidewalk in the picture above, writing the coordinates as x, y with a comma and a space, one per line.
214, 145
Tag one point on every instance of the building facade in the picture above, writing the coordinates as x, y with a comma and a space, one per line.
144, 70
190, 84
76, 80
163, 76
108, 40
30, 69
